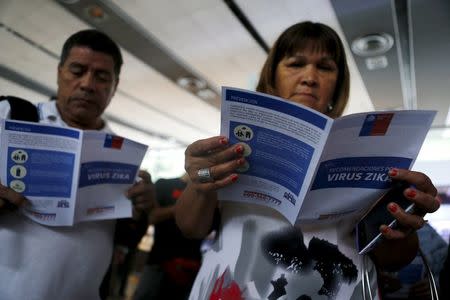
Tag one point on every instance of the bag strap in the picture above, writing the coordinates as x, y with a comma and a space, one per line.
431, 281
21, 109
367, 293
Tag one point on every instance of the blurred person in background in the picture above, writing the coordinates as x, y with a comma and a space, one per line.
174, 260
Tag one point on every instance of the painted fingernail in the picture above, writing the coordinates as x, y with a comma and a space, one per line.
240, 161
438, 199
234, 177
223, 141
411, 193
392, 207
239, 149
393, 172
385, 230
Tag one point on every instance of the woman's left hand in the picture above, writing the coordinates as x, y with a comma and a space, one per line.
422, 192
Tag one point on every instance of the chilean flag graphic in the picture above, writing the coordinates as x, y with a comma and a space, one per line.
113, 141
376, 124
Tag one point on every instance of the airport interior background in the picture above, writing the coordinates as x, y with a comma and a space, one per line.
179, 53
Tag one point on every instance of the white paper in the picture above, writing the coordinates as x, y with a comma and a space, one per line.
68, 175
308, 166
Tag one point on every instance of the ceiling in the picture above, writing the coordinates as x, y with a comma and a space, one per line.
165, 42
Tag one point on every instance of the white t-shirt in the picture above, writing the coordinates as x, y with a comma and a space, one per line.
40, 262
258, 255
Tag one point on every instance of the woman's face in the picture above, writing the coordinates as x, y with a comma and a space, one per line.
308, 77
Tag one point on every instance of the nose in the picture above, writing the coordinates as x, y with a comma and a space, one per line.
309, 76
87, 82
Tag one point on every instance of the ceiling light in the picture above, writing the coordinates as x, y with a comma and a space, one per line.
191, 84
96, 13
206, 94
376, 62
372, 44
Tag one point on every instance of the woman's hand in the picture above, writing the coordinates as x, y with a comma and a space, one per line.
194, 212
401, 244
216, 156
422, 193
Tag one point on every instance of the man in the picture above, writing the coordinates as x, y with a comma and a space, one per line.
41, 262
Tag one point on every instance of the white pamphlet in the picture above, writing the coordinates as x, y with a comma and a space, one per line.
68, 175
308, 166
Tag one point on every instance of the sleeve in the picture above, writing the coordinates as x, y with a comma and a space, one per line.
5, 109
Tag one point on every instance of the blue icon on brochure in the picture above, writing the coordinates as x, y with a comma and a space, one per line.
243, 133
18, 171
17, 185
19, 156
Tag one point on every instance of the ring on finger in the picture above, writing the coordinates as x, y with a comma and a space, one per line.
204, 175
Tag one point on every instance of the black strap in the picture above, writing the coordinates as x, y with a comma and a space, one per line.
21, 109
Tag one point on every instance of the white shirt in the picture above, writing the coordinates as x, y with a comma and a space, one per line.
259, 255
39, 262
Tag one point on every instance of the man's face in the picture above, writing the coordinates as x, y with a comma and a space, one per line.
86, 84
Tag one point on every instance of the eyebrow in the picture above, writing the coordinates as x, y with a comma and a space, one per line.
323, 58
78, 64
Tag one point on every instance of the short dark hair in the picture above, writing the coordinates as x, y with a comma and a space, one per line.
301, 36
95, 40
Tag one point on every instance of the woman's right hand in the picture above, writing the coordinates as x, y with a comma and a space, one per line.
195, 208
216, 155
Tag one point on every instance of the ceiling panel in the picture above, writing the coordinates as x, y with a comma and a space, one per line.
431, 42
205, 34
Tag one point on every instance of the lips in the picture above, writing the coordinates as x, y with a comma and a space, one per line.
83, 100
305, 95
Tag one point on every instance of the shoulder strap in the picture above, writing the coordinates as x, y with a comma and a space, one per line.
21, 109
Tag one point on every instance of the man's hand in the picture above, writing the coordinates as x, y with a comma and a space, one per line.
10, 199
142, 195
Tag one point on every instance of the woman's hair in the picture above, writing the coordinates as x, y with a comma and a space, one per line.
301, 36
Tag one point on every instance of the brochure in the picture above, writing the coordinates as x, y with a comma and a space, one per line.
68, 175
308, 166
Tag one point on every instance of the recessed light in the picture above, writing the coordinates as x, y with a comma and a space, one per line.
372, 44
206, 94
96, 13
191, 84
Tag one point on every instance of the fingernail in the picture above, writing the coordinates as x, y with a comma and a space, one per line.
385, 230
223, 141
438, 199
234, 177
393, 172
239, 149
240, 161
411, 193
392, 207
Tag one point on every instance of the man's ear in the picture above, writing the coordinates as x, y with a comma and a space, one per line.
115, 86
58, 74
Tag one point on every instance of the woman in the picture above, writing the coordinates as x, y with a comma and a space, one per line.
257, 254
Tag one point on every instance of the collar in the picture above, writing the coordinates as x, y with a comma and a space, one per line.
49, 114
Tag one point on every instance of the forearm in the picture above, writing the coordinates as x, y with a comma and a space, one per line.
392, 255
195, 212
160, 214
